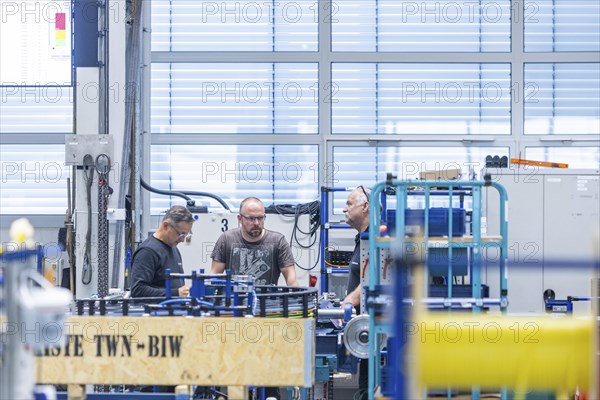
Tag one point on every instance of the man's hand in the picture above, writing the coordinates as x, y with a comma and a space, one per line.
348, 312
353, 297
184, 291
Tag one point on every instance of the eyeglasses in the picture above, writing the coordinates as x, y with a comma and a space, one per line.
254, 219
364, 191
181, 235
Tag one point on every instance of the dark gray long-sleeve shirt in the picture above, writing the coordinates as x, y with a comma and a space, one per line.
148, 267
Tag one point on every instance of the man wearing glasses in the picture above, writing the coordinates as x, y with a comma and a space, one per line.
253, 250
158, 253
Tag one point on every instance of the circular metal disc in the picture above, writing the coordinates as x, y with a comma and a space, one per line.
356, 336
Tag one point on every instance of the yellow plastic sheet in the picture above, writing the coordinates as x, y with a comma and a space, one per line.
544, 353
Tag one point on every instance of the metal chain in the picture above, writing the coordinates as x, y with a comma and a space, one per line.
103, 195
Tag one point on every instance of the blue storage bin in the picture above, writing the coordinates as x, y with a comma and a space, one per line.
437, 261
438, 221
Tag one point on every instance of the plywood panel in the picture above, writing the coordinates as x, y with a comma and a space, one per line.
182, 350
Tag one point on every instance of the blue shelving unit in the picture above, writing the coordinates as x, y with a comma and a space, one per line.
326, 226
475, 243
324, 242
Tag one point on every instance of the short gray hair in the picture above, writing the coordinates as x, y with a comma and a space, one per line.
363, 195
177, 214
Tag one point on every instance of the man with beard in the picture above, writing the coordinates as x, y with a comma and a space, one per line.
253, 250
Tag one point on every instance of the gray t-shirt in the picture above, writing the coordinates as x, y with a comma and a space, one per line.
263, 259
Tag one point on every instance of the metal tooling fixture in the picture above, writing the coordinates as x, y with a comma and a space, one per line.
35, 315
91, 153
104, 192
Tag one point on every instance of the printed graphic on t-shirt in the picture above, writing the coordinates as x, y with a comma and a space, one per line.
254, 261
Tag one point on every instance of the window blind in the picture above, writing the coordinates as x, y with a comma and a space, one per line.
282, 174
562, 25
36, 109
259, 98
421, 26
562, 99
234, 25
576, 157
386, 99
362, 165
34, 179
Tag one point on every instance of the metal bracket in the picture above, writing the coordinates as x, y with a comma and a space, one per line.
77, 146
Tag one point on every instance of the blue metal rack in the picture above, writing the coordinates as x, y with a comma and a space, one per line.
325, 227
475, 243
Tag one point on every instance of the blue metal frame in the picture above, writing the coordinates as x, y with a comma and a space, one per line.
376, 327
23, 254
124, 396
325, 226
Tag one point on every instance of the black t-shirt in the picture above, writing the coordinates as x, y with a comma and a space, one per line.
148, 267
354, 269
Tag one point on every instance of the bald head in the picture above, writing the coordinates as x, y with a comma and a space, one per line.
251, 202
252, 219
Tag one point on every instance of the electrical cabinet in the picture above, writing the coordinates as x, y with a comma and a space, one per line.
553, 233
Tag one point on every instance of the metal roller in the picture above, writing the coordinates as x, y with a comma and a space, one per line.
356, 336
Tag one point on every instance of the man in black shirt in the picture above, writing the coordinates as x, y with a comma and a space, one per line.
357, 216
158, 253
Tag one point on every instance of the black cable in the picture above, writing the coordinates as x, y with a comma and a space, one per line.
295, 211
184, 195
88, 177
211, 195
166, 192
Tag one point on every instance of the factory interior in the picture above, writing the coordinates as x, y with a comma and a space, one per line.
299, 199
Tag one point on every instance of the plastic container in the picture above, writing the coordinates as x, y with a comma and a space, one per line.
438, 221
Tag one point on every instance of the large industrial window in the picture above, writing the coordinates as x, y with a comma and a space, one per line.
562, 25
36, 105
382, 93
243, 81
234, 25
36, 109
